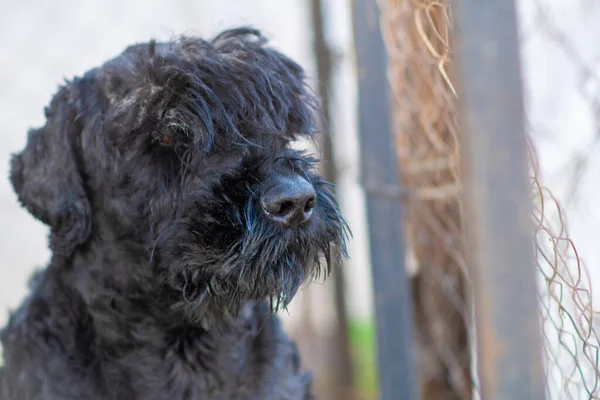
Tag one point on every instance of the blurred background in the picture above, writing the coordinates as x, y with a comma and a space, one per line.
47, 41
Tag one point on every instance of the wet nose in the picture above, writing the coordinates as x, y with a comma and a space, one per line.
290, 201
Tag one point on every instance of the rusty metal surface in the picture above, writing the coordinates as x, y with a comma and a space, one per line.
379, 171
497, 200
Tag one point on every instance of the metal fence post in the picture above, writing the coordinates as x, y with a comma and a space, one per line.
380, 179
498, 200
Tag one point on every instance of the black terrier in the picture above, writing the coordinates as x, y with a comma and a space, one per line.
180, 220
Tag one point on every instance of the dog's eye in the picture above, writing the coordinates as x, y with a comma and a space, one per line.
165, 140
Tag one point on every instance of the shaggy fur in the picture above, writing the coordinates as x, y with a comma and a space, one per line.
165, 269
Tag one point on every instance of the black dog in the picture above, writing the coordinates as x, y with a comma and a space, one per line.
180, 220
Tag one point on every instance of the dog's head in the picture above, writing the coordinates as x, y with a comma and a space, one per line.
174, 161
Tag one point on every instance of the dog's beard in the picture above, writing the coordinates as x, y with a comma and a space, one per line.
265, 261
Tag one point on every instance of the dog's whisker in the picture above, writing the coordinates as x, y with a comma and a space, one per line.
154, 246
304, 173
291, 163
184, 292
234, 298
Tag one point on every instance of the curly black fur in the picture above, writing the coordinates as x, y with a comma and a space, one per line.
148, 172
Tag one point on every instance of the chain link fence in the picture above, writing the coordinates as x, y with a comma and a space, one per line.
418, 34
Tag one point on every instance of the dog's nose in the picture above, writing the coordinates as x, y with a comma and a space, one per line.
290, 201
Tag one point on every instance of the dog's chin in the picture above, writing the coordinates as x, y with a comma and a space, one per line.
217, 302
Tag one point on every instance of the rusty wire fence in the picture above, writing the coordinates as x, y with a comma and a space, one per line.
418, 36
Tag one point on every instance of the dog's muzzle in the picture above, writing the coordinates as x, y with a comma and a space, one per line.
289, 200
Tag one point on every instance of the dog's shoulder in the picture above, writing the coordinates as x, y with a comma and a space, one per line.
46, 340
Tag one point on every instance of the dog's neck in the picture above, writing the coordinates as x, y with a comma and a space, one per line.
132, 310
133, 344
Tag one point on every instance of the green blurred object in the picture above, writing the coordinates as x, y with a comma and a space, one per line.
362, 341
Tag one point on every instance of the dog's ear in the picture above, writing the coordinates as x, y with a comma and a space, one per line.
47, 177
